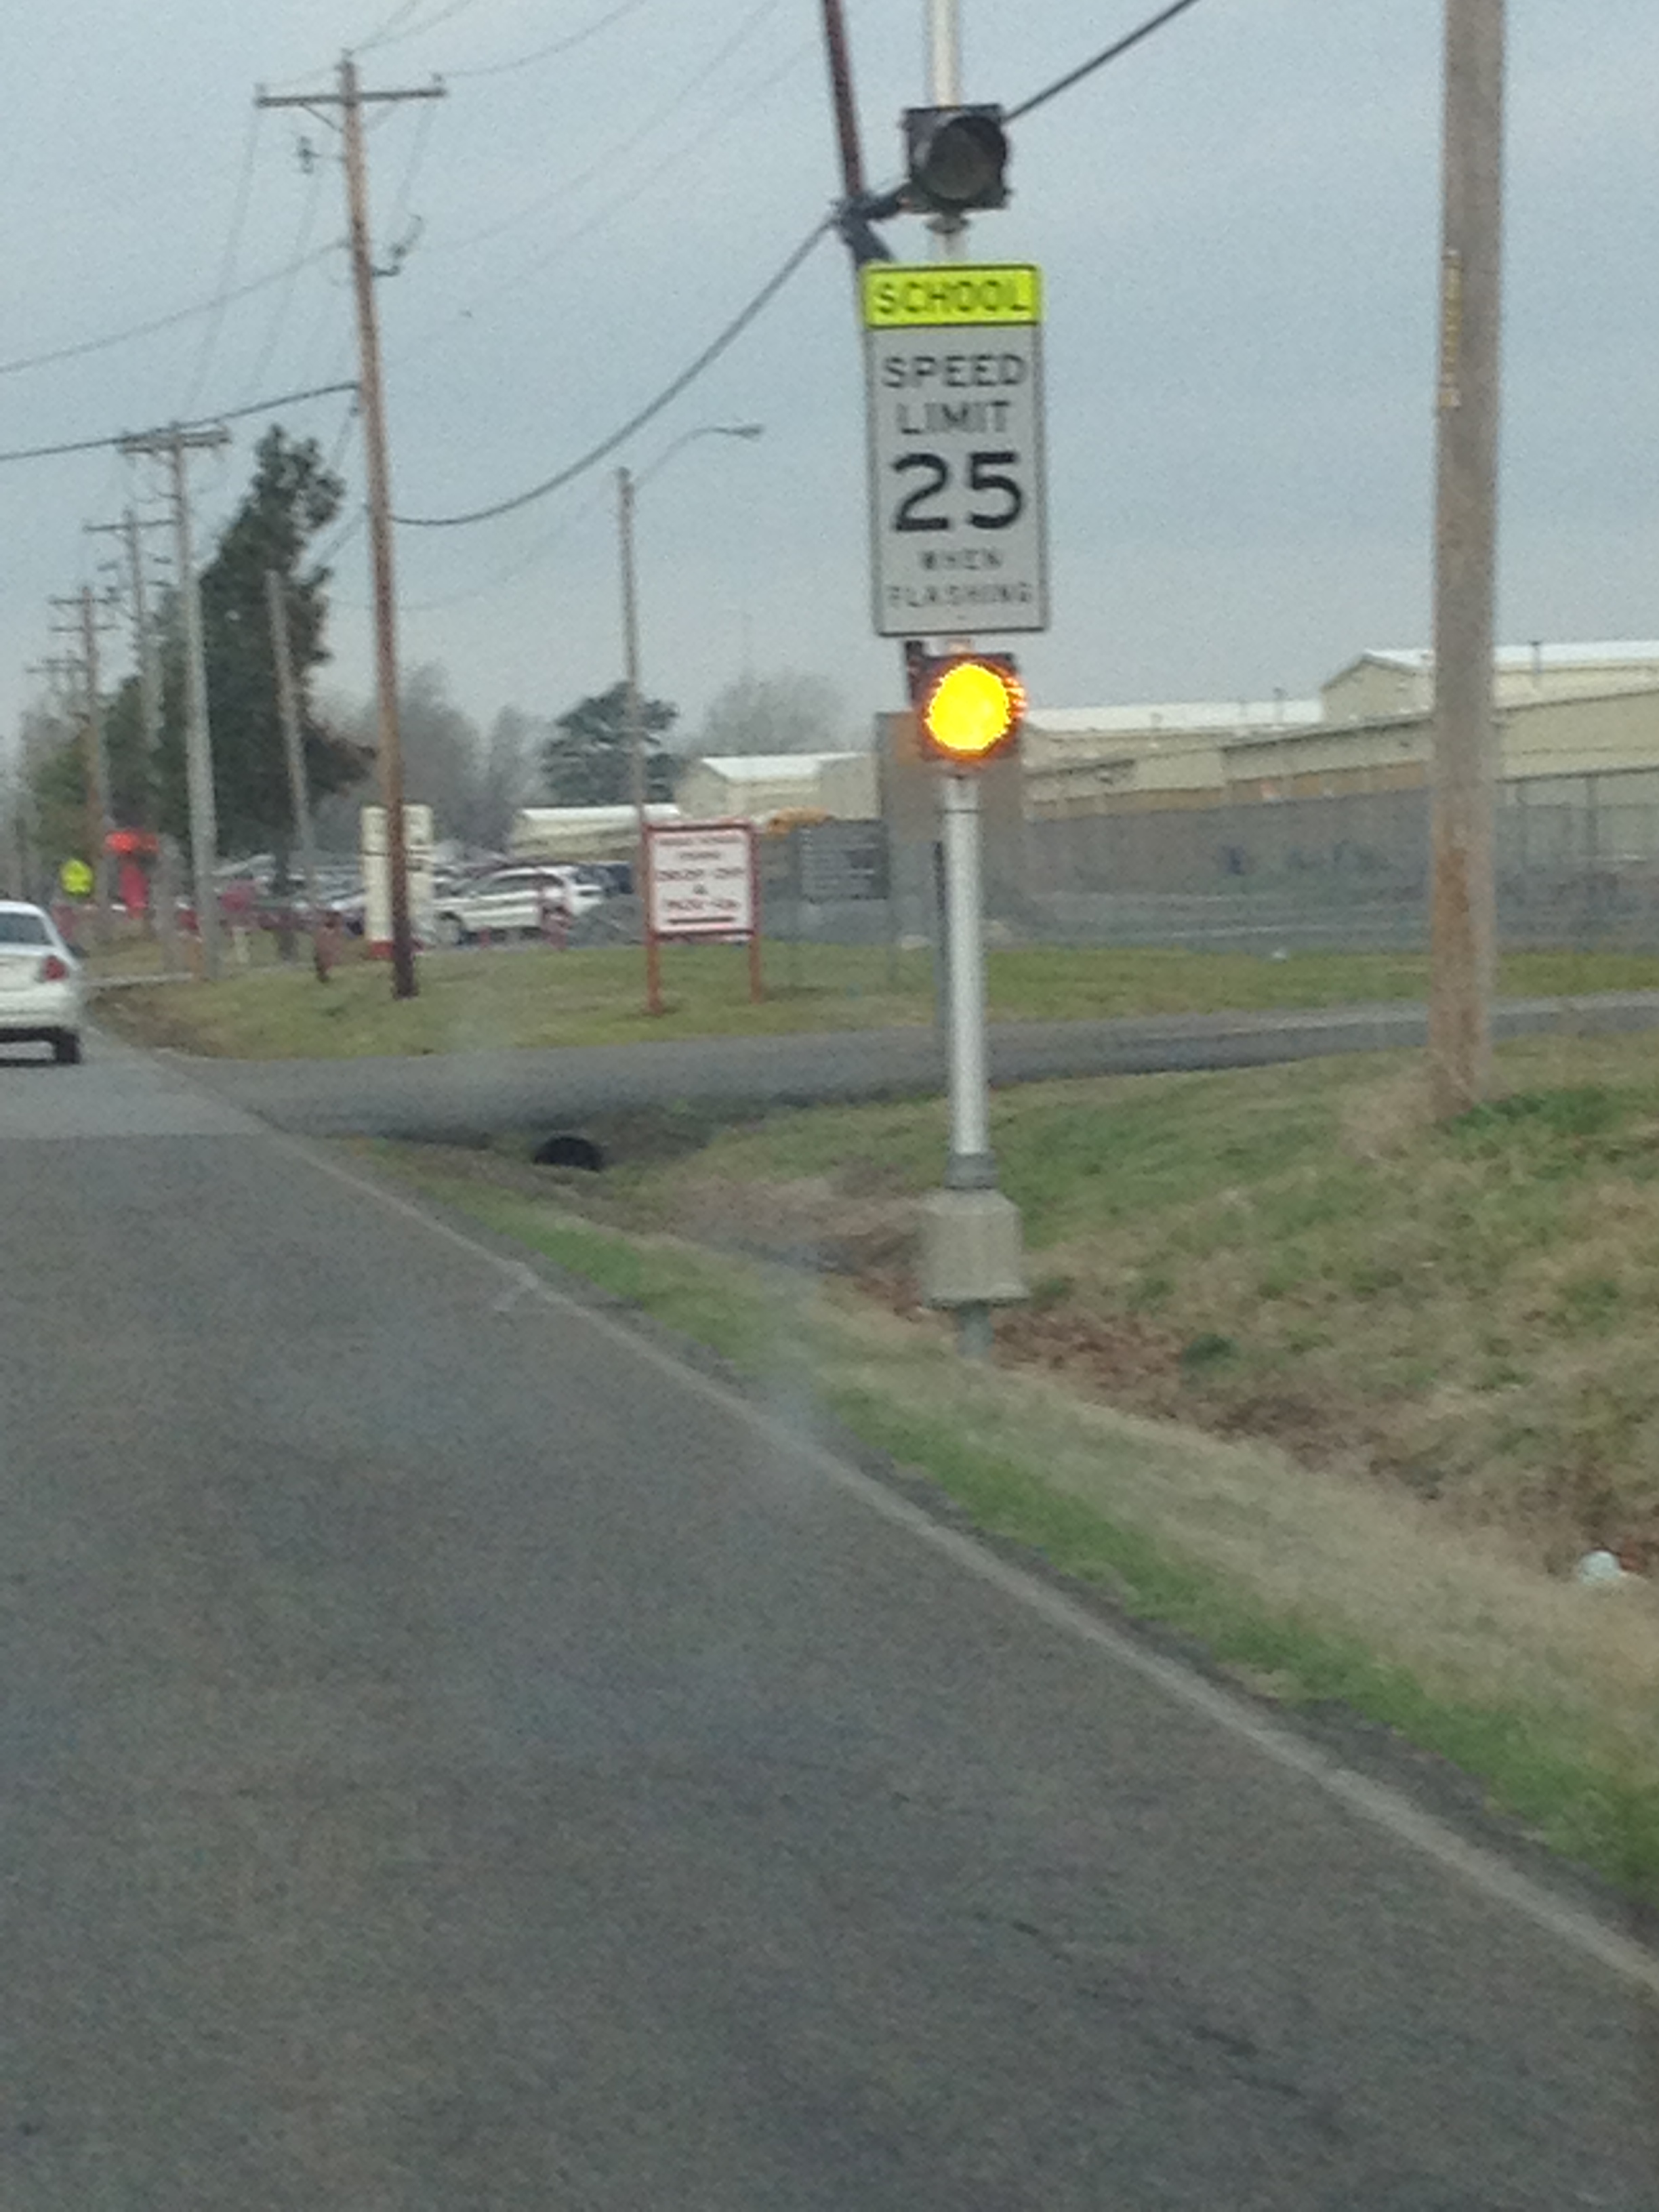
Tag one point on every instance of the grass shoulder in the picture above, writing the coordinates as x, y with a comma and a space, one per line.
527, 996
1315, 1581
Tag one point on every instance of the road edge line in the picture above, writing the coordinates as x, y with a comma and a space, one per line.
1379, 1804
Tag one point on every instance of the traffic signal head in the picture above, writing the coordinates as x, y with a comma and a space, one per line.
970, 709
955, 159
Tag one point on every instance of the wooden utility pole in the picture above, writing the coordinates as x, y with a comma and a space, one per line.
175, 446
84, 628
288, 705
350, 101
131, 531
634, 713
1463, 925
838, 54
100, 818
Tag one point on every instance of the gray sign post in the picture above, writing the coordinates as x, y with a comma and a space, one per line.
959, 551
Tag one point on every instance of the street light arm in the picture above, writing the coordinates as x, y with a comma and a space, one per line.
748, 430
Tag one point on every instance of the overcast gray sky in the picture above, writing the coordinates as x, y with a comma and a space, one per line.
1238, 225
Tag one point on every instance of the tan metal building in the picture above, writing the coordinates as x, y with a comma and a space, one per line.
580, 832
756, 786
1563, 710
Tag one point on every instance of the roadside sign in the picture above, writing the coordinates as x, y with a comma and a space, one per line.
78, 878
953, 361
702, 882
377, 877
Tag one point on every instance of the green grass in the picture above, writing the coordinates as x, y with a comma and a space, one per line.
1311, 1588
1296, 1252
480, 1000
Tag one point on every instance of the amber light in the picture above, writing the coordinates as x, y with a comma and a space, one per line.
973, 710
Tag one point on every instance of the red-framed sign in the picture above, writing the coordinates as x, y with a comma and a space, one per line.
701, 886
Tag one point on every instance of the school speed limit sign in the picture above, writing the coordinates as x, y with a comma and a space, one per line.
954, 362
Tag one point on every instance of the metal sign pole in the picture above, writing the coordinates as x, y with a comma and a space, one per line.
971, 1166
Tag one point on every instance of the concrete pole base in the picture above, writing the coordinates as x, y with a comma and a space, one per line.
971, 1249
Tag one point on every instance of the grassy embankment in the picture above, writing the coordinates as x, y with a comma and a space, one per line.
1397, 1376
480, 1000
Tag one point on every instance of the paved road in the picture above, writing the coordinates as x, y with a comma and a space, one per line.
450, 1758
465, 1094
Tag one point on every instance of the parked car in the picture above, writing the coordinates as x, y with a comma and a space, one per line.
40, 996
513, 902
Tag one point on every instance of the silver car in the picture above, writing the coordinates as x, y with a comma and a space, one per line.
40, 995
512, 902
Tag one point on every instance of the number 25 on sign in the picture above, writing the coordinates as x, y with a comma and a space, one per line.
954, 364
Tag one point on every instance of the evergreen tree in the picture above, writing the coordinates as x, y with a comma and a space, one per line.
587, 760
292, 497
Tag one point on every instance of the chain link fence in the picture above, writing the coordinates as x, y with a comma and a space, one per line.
1578, 865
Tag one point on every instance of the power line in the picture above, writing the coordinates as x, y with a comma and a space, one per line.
614, 205
227, 263
341, 539
336, 452
285, 305
197, 423
164, 322
549, 541
609, 161
557, 46
411, 170
390, 35
687, 377
388, 26
1111, 53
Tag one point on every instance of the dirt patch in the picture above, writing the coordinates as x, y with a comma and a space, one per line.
813, 1221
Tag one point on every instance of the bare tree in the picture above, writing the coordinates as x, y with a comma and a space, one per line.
788, 712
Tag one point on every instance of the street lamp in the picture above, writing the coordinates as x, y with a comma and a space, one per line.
627, 488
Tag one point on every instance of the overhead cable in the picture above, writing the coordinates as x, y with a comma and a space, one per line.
385, 29
227, 262
687, 377
164, 322
558, 45
285, 304
195, 422
610, 160
1087, 69
394, 30
613, 205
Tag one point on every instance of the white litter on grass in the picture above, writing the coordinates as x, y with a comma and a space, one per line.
1602, 1568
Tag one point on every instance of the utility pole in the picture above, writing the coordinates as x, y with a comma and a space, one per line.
633, 710
62, 675
175, 446
83, 626
131, 531
350, 101
1463, 929
17, 866
288, 705
845, 106
100, 820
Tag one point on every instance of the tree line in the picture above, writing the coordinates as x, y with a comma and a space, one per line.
474, 779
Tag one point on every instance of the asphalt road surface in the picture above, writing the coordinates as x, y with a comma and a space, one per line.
460, 1095
453, 1758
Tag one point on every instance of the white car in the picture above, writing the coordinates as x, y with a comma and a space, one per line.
512, 902
40, 983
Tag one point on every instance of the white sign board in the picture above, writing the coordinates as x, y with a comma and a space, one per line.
377, 875
703, 881
953, 357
